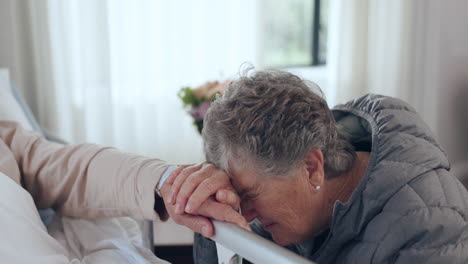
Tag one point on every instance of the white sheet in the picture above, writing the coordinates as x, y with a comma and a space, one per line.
25, 239
110, 240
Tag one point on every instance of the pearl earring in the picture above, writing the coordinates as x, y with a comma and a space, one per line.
317, 188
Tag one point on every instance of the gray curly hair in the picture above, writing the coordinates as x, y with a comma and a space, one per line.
273, 119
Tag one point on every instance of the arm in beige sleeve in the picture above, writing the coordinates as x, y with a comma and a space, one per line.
85, 180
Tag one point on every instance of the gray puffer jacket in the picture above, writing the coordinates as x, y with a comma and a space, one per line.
407, 208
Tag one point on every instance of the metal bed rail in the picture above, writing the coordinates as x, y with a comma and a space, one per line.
253, 247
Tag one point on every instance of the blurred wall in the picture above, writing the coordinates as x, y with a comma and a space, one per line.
452, 124
6, 35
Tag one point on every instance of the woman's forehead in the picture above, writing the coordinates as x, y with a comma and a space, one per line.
242, 175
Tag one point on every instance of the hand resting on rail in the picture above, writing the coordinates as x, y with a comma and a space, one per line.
193, 194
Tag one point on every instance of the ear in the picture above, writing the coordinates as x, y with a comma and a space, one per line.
314, 165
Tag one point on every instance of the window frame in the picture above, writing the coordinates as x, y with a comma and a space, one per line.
314, 43
316, 34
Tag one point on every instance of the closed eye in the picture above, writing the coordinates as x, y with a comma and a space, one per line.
249, 196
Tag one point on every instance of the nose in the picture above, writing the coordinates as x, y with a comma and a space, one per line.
248, 211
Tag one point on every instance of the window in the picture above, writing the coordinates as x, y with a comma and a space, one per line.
293, 33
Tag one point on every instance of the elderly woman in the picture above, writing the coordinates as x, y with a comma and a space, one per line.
366, 182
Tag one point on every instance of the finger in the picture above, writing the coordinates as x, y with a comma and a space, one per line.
174, 174
222, 212
228, 196
178, 183
204, 190
190, 184
198, 224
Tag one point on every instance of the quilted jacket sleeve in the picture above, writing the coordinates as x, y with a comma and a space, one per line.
426, 235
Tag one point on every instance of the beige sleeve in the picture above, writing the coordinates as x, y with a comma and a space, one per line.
85, 180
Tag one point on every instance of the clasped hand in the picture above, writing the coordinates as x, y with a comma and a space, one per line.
193, 194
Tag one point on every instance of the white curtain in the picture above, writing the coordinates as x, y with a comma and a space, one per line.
109, 71
385, 47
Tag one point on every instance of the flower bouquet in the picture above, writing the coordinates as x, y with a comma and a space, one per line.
197, 101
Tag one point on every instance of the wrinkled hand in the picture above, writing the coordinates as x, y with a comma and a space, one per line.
194, 184
206, 206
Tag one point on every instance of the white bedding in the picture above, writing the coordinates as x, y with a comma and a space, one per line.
110, 240
25, 239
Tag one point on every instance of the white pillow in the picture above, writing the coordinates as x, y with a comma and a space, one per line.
10, 109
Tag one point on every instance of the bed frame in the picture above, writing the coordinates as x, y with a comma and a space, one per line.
252, 247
